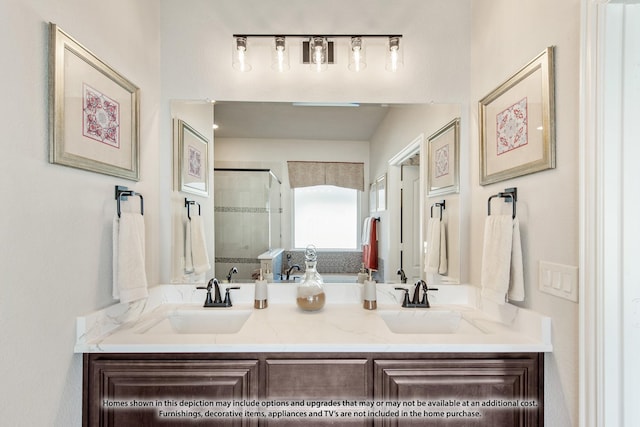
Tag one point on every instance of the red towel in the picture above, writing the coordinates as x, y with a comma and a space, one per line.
370, 250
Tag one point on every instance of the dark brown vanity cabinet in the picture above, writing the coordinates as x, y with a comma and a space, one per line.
121, 391
423, 383
468, 390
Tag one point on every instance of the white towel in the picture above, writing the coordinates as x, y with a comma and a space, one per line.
502, 272
436, 250
198, 250
366, 230
188, 257
129, 276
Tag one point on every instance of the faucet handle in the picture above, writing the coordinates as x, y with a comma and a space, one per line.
425, 299
405, 300
227, 296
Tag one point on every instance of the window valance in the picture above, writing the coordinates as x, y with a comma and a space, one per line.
340, 174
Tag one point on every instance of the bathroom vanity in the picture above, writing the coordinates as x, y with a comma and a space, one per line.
144, 359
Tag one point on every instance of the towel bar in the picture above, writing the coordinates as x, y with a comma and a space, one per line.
122, 193
441, 204
509, 193
187, 204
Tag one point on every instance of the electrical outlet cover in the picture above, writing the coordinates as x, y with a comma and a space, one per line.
559, 280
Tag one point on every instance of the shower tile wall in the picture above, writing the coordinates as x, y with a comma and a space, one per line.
243, 220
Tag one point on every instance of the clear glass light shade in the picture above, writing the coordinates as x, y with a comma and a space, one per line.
318, 53
240, 57
280, 55
357, 59
394, 55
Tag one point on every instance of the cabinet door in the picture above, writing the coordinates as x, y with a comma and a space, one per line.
114, 383
420, 384
319, 379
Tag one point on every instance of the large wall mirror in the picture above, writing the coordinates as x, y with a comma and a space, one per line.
253, 201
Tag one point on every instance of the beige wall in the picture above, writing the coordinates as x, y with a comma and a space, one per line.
55, 261
505, 36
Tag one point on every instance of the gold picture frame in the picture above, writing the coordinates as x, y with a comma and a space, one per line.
93, 111
517, 125
443, 176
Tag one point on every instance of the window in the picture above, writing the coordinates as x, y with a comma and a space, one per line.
325, 216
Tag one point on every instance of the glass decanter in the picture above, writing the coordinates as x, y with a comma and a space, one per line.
310, 292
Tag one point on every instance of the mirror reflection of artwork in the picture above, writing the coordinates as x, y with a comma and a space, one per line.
443, 165
193, 150
442, 161
195, 162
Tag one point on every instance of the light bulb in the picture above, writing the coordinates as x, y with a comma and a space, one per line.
280, 60
240, 61
357, 55
394, 57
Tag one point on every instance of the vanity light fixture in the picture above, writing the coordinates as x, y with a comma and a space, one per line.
318, 50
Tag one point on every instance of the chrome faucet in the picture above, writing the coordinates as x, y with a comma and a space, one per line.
403, 277
416, 302
217, 301
231, 272
296, 266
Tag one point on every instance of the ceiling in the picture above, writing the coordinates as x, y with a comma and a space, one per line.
285, 120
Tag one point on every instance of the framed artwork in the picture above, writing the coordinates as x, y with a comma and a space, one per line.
381, 192
443, 175
193, 160
373, 196
93, 111
517, 125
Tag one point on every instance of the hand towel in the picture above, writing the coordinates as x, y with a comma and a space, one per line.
188, 257
199, 253
129, 276
516, 285
436, 251
366, 230
502, 272
370, 249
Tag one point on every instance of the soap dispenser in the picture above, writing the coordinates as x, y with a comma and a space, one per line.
362, 274
370, 301
260, 300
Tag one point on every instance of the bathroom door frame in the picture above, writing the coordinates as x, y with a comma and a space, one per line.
416, 146
609, 291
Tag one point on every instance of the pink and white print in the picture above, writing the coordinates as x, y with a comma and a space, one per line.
195, 162
442, 161
101, 117
511, 128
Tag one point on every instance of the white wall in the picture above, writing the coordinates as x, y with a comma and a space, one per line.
547, 201
55, 261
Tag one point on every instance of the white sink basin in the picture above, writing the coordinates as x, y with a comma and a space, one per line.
201, 321
426, 321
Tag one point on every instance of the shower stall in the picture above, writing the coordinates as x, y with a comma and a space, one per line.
248, 211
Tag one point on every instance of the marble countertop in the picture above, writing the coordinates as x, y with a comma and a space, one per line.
341, 326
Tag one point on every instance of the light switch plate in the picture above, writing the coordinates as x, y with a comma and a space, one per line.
559, 280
